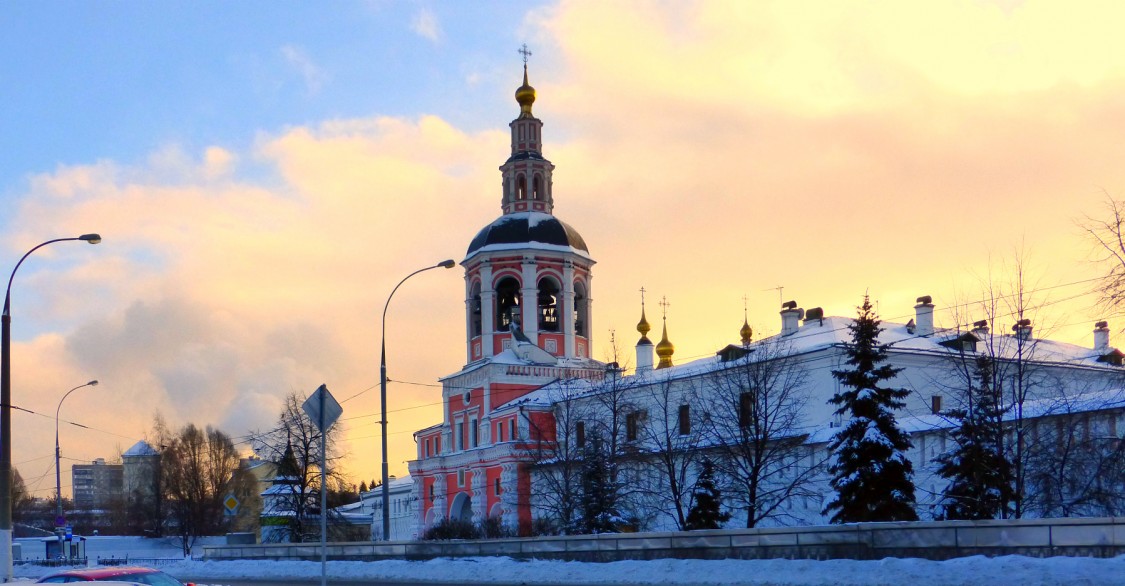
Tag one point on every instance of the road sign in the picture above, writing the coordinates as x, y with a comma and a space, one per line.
69, 531
60, 521
231, 504
322, 408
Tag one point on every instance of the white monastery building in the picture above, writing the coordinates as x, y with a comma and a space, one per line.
529, 394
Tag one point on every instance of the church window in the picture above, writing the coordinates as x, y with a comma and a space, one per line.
746, 409
474, 433
685, 419
548, 305
459, 438
507, 303
535, 183
500, 431
496, 487
461, 477
632, 426
475, 310
512, 428
521, 187
581, 309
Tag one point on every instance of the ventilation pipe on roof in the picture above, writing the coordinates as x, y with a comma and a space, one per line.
924, 316
790, 317
1101, 336
815, 314
980, 328
1022, 330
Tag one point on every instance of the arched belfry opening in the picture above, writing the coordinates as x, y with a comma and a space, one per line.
581, 309
507, 303
548, 305
475, 311
521, 187
536, 182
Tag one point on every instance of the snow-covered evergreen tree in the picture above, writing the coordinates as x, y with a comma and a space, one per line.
979, 474
707, 511
871, 474
599, 492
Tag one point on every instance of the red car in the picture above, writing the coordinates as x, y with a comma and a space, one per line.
135, 575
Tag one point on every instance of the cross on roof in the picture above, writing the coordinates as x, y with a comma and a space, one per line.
745, 303
664, 304
642, 296
523, 51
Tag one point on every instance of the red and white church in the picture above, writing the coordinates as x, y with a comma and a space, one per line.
528, 283
528, 278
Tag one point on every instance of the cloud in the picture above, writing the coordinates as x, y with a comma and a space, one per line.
725, 150
426, 25
312, 75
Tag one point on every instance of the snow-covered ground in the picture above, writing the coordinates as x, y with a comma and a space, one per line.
911, 572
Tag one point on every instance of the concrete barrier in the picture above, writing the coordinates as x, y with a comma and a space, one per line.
1101, 537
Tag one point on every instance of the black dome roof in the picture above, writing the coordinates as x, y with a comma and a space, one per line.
527, 228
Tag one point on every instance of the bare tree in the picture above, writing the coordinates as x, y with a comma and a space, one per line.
197, 469
294, 443
1107, 235
1077, 466
558, 444
755, 424
672, 438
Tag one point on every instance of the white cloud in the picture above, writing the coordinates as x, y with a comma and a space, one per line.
426, 25
312, 75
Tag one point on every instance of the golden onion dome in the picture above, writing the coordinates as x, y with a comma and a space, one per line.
665, 349
525, 95
746, 332
643, 327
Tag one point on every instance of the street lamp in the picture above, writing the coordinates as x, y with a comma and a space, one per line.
59, 521
445, 264
6, 413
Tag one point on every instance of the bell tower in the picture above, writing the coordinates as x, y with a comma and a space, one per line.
526, 174
527, 274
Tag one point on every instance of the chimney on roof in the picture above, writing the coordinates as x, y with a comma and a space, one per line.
980, 328
790, 316
1022, 330
1101, 336
924, 316
815, 314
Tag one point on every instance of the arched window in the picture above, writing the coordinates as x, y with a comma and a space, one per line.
581, 309
475, 311
548, 305
507, 303
535, 182
521, 187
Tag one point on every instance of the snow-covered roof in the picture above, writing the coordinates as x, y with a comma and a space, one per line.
822, 334
141, 448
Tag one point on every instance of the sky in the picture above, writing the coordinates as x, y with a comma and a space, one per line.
263, 174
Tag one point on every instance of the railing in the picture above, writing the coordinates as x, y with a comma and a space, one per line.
1101, 537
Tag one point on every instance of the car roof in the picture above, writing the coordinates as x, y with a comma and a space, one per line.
102, 574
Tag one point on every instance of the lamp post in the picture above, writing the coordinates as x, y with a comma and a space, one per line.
6, 414
445, 264
59, 521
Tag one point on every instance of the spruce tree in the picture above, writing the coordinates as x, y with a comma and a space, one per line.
707, 512
871, 474
979, 474
599, 494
